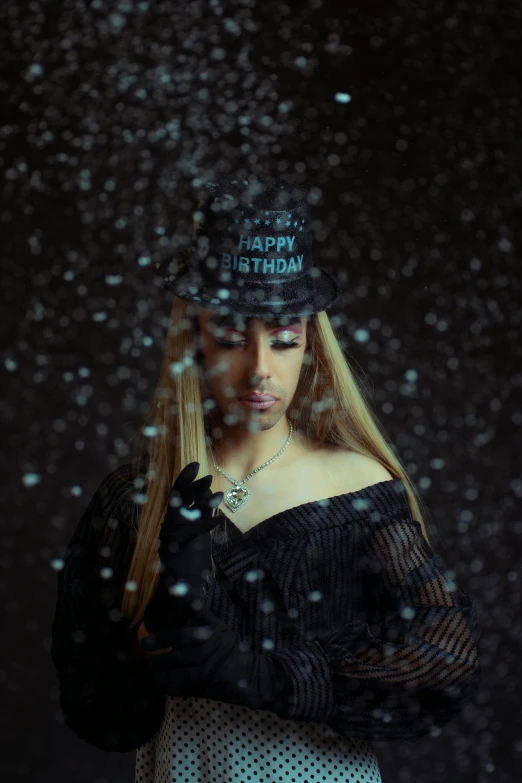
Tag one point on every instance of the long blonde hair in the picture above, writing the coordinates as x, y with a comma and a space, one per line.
330, 406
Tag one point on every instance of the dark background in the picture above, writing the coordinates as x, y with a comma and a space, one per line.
110, 111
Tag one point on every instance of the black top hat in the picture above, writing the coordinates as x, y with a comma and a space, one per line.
252, 253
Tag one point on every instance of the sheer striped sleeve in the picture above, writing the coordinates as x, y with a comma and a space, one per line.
414, 670
107, 695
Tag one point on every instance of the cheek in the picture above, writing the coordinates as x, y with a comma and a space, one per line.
220, 368
210, 353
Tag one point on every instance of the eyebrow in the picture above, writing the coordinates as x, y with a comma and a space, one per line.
228, 320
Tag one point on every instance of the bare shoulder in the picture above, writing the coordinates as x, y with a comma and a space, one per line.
353, 471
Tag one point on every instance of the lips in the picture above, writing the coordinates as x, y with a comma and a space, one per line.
258, 397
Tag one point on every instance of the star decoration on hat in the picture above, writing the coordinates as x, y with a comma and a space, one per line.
276, 221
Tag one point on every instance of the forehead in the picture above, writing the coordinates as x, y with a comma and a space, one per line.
246, 322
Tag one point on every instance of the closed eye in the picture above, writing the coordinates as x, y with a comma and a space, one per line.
276, 344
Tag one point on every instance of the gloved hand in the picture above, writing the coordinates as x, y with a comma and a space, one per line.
209, 656
184, 548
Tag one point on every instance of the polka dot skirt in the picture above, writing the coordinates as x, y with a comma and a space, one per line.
207, 741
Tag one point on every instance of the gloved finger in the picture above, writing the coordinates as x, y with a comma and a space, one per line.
204, 495
205, 502
176, 535
192, 491
198, 527
158, 640
202, 624
216, 499
170, 680
177, 502
186, 475
201, 484
212, 500
167, 680
176, 665
189, 645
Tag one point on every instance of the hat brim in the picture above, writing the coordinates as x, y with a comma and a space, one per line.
310, 294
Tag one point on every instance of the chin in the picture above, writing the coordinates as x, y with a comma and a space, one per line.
253, 420
260, 426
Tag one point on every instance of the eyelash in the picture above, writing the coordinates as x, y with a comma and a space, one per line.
278, 343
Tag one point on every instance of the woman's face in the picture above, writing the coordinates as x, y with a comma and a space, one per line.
242, 355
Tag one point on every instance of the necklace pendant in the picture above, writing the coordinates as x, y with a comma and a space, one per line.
236, 497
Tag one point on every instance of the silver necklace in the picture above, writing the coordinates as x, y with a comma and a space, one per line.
238, 495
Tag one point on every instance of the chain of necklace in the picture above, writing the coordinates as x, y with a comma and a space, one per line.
238, 495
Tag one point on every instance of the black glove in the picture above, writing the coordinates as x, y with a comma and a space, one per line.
206, 660
184, 548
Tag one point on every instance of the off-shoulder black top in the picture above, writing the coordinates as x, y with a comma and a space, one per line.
374, 637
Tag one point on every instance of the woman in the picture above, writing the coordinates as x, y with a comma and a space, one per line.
320, 620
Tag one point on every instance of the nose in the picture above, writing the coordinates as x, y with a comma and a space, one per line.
259, 356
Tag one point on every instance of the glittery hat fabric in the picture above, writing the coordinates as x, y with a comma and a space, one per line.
252, 252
